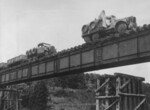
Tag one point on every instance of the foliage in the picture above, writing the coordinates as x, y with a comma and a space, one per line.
35, 97
76, 81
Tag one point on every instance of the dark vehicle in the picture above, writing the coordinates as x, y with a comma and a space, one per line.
3, 65
17, 60
43, 49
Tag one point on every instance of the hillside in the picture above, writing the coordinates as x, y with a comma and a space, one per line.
75, 92
71, 99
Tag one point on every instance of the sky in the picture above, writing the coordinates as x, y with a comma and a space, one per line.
25, 23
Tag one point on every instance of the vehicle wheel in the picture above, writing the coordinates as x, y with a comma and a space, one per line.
92, 25
121, 27
85, 29
87, 39
46, 53
95, 37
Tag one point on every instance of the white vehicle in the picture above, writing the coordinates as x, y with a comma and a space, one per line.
106, 25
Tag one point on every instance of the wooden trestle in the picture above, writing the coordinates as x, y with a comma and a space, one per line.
120, 92
10, 99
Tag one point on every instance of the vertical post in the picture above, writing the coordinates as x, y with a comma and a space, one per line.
4, 100
118, 84
16, 100
97, 100
106, 94
125, 97
134, 91
7, 101
7, 97
138, 92
130, 97
141, 92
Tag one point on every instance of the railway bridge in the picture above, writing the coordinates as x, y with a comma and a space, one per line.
119, 51
127, 49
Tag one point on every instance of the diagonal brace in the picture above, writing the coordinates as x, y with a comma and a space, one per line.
138, 106
111, 104
107, 80
125, 84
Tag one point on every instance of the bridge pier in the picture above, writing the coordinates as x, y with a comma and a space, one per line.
120, 92
9, 99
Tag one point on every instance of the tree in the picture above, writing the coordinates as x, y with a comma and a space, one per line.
27, 96
76, 81
40, 95
36, 97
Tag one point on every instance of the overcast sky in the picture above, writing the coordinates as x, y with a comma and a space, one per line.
25, 23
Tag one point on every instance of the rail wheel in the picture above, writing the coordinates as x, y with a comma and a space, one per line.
95, 37
46, 53
121, 27
87, 39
